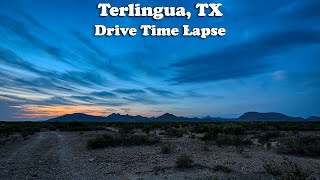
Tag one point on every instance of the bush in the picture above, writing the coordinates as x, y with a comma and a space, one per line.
212, 134
287, 169
104, 141
174, 132
228, 139
184, 161
222, 168
233, 129
206, 147
268, 135
138, 140
52, 128
301, 146
166, 148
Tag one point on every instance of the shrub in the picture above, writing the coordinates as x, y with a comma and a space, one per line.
184, 161
287, 169
212, 134
222, 168
174, 132
227, 139
137, 140
104, 141
52, 128
233, 129
268, 135
25, 135
166, 148
301, 146
205, 147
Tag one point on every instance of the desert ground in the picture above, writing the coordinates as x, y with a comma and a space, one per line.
65, 155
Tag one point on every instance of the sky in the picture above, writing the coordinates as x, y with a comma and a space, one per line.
51, 64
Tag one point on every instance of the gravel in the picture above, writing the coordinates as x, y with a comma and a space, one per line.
63, 155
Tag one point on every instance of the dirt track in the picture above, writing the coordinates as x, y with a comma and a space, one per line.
62, 155
46, 155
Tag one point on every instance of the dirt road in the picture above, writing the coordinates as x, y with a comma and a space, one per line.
63, 155
46, 155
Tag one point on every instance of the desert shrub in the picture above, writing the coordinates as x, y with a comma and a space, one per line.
137, 140
233, 129
96, 143
184, 161
25, 135
174, 132
192, 136
301, 146
104, 141
52, 128
286, 170
228, 139
212, 133
205, 146
26, 132
125, 130
166, 148
268, 135
221, 168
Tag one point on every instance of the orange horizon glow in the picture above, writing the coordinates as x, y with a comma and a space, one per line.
39, 111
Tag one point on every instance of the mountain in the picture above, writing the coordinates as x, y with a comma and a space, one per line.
77, 117
115, 117
249, 116
169, 117
313, 118
275, 117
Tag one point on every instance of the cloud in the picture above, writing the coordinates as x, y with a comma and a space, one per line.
241, 60
160, 92
86, 41
129, 91
104, 94
10, 58
279, 75
141, 100
19, 29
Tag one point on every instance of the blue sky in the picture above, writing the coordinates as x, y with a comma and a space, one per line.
51, 64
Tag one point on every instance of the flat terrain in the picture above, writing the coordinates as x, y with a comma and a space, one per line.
63, 155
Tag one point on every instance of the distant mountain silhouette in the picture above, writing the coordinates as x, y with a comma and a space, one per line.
169, 117
256, 116
77, 117
115, 117
249, 116
313, 118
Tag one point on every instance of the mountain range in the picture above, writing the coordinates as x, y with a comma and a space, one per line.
246, 117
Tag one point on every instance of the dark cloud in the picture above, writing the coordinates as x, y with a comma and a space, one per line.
87, 42
129, 91
100, 60
242, 60
19, 29
88, 100
82, 78
56, 101
103, 94
84, 98
141, 100
160, 92
10, 58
